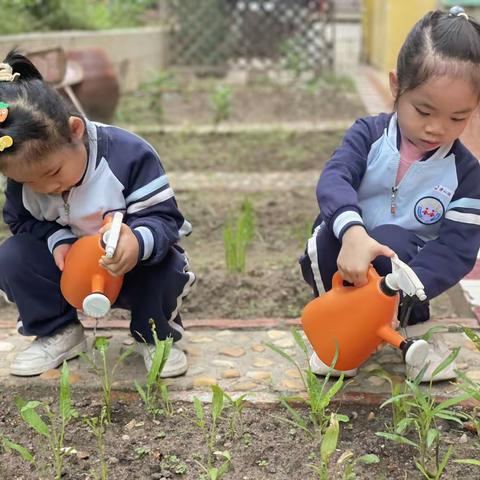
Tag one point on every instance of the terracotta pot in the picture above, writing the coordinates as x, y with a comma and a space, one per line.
99, 90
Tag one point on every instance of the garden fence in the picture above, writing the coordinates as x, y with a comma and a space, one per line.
251, 34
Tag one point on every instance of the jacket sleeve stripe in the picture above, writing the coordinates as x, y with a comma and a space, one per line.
147, 189
473, 203
344, 219
62, 234
156, 199
463, 217
148, 241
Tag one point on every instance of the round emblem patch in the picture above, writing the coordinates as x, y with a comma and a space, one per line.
429, 210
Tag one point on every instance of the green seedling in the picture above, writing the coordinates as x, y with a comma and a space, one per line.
398, 389
161, 83
214, 473
422, 420
156, 390
210, 431
103, 371
221, 101
237, 235
97, 426
350, 464
319, 396
327, 447
54, 426
235, 423
173, 464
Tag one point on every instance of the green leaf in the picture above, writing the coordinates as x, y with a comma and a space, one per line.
197, 404
450, 402
217, 402
101, 344
66, 410
33, 419
330, 439
24, 453
396, 438
472, 336
140, 391
154, 371
468, 461
446, 362
444, 461
432, 435
368, 459
299, 340
403, 424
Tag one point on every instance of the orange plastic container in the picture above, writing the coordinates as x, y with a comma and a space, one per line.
356, 320
84, 283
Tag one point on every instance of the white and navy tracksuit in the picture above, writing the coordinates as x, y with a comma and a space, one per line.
123, 173
431, 219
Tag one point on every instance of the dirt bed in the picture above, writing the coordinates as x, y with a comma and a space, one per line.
139, 447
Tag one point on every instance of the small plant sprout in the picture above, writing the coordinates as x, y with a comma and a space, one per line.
237, 235
235, 424
210, 431
161, 83
103, 371
318, 395
327, 447
349, 462
422, 421
96, 426
221, 100
156, 390
214, 473
53, 427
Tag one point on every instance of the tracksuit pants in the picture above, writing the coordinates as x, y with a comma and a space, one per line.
319, 261
30, 279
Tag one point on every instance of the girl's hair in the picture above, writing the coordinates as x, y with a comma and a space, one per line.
440, 43
38, 116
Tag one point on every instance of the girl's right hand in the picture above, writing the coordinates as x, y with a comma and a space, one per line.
357, 253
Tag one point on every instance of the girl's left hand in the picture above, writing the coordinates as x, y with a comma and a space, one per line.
126, 253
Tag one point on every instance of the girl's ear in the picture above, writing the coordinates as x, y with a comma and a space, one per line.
393, 79
77, 127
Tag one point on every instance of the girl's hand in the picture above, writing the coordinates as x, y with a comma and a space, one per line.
126, 253
59, 254
357, 252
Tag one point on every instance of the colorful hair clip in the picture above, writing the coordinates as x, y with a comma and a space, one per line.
5, 142
3, 111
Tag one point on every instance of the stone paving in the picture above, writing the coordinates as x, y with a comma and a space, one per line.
239, 360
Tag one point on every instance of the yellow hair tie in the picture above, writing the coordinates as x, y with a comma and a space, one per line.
5, 142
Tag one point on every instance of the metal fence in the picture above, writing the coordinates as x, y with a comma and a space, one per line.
251, 34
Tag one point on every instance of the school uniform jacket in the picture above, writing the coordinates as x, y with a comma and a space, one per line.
123, 173
438, 199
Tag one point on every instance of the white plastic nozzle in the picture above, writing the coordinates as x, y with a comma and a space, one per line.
404, 278
96, 305
110, 237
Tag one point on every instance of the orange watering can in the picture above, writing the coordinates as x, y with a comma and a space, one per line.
355, 320
84, 283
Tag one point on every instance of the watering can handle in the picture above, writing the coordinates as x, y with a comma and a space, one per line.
337, 280
110, 237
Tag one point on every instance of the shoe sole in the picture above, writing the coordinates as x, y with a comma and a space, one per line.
180, 370
72, 353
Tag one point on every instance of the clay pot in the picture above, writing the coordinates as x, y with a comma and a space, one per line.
99, 91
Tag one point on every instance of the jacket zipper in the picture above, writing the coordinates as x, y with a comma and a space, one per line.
393, 200
66, 205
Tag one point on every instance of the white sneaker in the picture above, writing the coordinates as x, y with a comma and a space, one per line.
437, 353
49, 352
175, 365
319, 368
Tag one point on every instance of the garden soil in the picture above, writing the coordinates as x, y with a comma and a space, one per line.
265, 447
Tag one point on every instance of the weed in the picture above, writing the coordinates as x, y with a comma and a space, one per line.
142, 452
173, 464
214, 473
423, 414
103, 372
318, 396
221, 100
8, 445
237, 238
53, 429
327, 447
235, 424
156, 390
96, 426
210, 431
350, 463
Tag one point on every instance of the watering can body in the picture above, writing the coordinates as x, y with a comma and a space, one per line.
351, 320
84, 283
